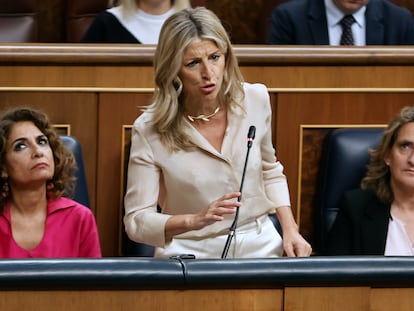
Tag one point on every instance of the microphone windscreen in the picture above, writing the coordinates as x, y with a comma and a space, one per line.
252, 132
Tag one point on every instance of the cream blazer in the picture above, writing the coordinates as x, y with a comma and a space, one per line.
184, 182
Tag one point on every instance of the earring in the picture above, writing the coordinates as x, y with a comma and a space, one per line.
5, 188
50, 185
178, 85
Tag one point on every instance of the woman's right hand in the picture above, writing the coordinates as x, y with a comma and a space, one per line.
178, 224
226, 204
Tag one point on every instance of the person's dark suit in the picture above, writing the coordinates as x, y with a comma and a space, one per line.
361, 225
304, 22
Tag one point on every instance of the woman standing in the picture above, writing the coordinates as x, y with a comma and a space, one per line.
189, 147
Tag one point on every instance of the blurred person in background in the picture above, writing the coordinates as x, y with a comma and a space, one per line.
324, 22
132, 21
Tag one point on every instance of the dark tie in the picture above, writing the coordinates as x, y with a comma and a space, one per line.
346, 23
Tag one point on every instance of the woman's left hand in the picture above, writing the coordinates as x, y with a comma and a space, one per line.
294, 244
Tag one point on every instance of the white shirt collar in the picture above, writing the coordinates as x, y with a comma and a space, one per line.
334, 15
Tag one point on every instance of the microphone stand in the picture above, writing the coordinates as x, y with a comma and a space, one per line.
233, 226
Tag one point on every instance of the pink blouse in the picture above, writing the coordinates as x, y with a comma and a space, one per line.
70, 231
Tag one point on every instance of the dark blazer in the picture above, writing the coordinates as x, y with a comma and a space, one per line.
106, 28
304, 22
361, 225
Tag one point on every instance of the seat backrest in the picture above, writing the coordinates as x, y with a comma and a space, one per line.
18, 21
81, 194
344, 161
134, 249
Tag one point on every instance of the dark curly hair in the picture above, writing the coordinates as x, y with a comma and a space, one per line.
63, 181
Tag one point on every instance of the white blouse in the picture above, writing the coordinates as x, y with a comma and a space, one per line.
398, 243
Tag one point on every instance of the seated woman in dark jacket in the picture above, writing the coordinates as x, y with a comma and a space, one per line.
132, 21
378, 219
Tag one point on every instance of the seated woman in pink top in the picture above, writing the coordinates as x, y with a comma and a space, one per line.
36, 171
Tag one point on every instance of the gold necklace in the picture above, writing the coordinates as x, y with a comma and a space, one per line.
204, 117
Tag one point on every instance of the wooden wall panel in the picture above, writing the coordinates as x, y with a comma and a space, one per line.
391, 299
126, 300
298, 77
327, 298
78, 76
110, 150
304, 298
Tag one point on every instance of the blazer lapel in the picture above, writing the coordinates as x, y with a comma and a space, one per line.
235, 121
374, 27
199, 139
375, 228
317, 22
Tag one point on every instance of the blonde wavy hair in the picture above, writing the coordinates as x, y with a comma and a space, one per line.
378, 177
177, 33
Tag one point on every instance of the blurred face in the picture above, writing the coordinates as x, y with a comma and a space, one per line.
401, 159
29, 158
202, 71
155, 7
152, 2
350, 6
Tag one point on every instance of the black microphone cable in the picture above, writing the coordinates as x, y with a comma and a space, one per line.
250, 137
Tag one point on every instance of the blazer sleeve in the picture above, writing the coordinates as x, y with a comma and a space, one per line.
343, 237
339, 240
275, 182
97, 31
142, 221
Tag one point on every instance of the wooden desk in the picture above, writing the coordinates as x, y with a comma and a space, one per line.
305, 284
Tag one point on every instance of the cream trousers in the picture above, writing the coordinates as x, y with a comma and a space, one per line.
258, 239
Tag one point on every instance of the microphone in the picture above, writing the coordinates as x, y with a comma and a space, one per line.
250, 137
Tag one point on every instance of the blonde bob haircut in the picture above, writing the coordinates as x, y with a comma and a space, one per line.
177, 33
378, 177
